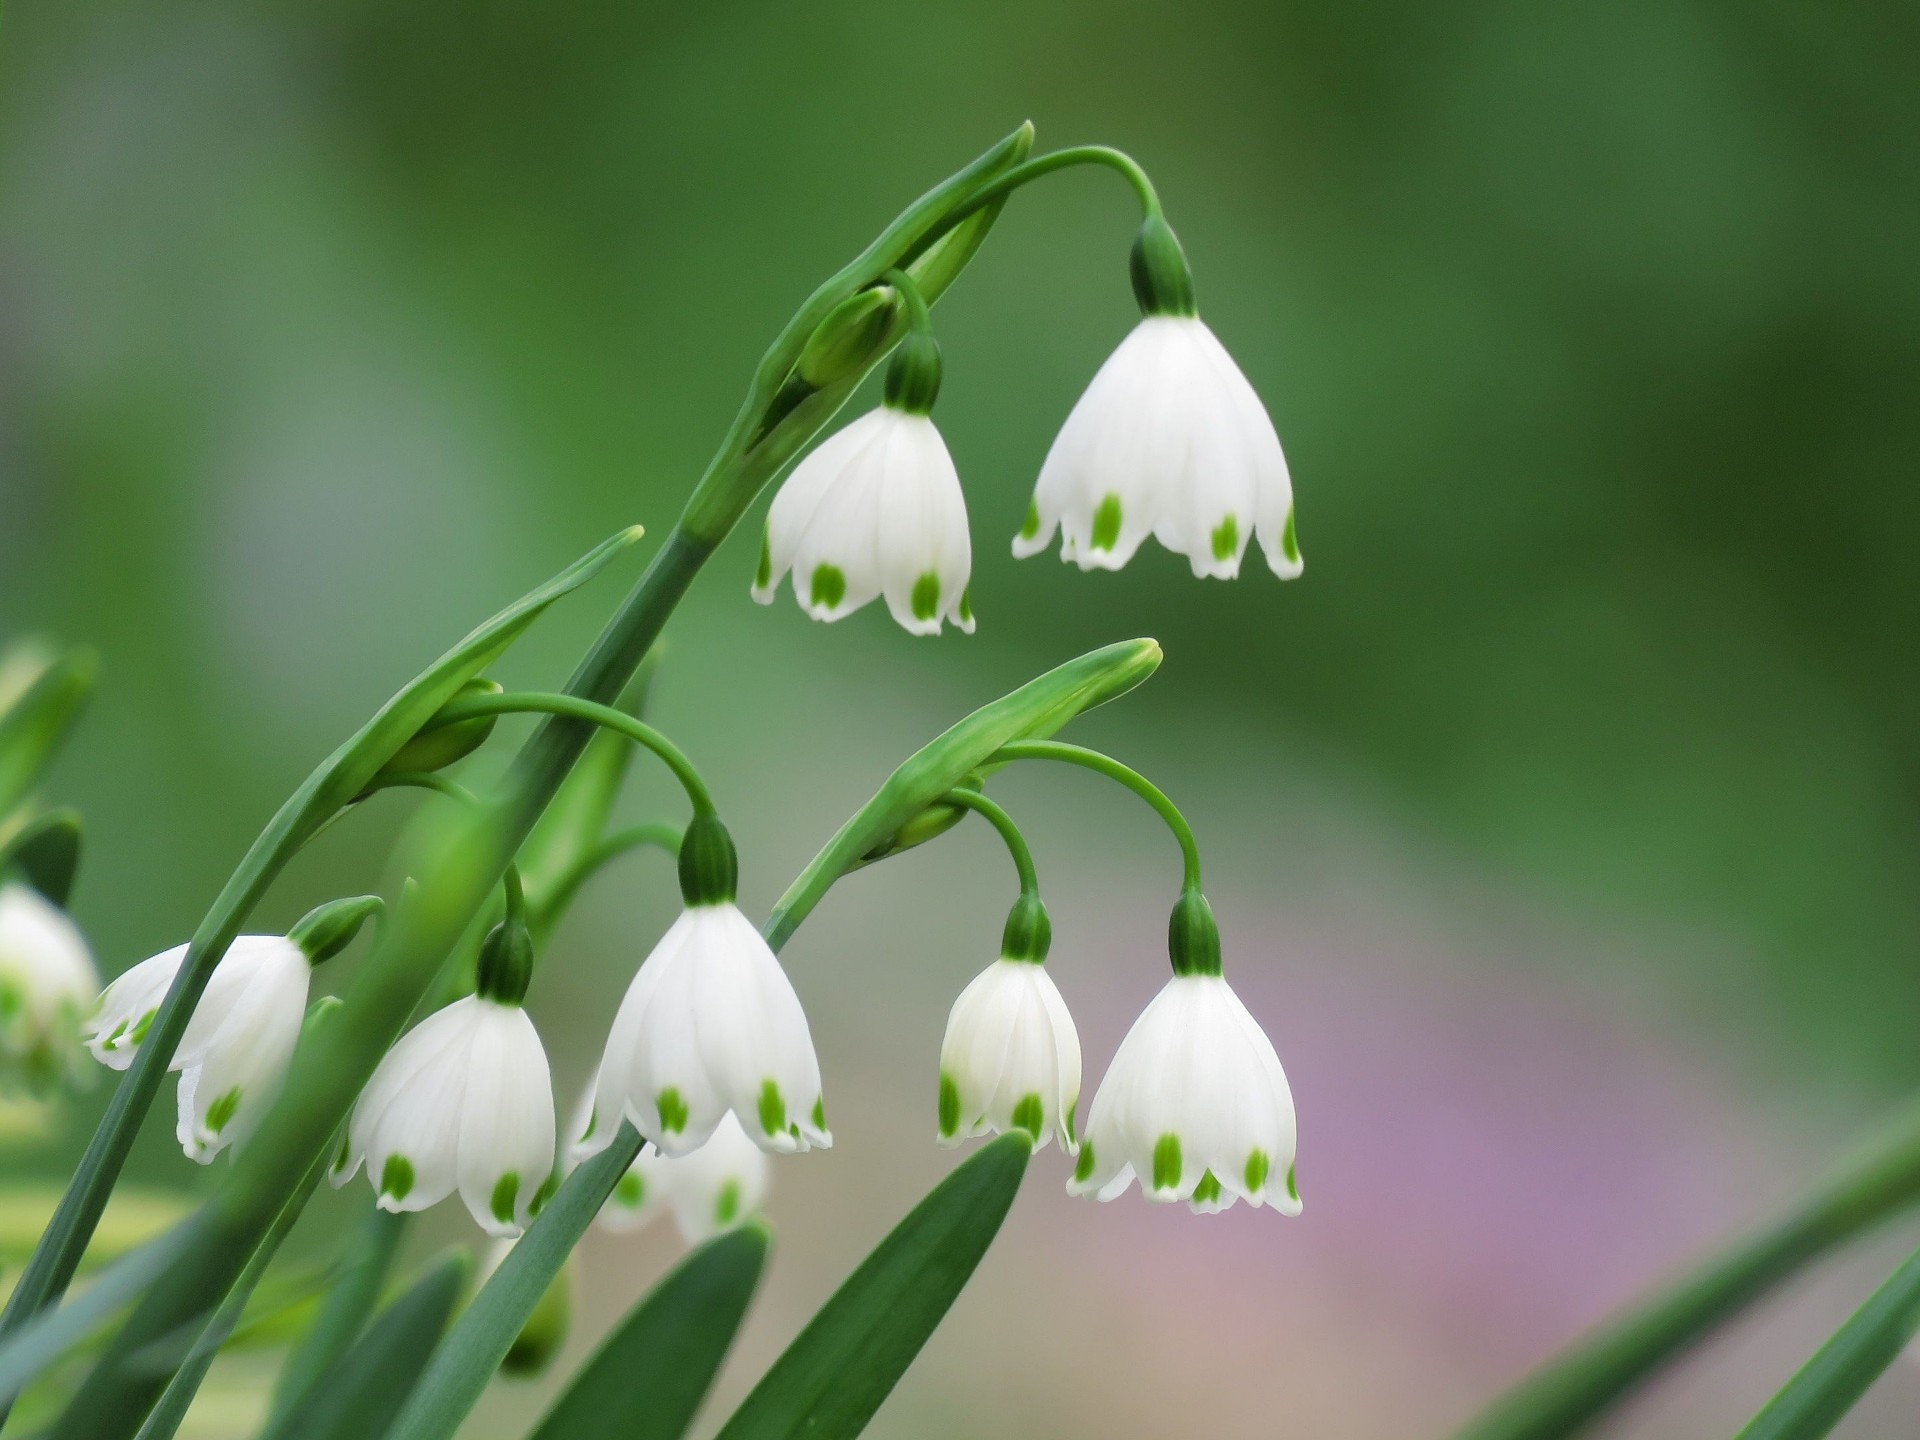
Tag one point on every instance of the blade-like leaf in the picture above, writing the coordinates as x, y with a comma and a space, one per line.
350, 1300
649, 1376
33, 727
1829, 1384
358, 1398
338, 780
1033, 712
835, 1374
45, 852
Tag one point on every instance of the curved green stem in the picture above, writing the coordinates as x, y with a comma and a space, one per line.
919, 318
575, 707
1016, 842
1028, 171
424, 780
659, 834
1126, 775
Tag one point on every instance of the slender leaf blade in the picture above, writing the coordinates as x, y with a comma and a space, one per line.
839, 1369
648, 1377
38, 721
348, 1304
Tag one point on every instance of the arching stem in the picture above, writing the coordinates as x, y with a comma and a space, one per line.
1016, 842
1106, 765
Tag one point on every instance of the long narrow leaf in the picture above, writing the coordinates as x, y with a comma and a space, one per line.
649, 1376
1818, 1398
359, 1397
341, 777
1569, 1393
835, 1375
35, 725
348, 1304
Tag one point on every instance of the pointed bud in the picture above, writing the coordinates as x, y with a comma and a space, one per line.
850, 338
505, 967
709, 866
1162, 283
324, 931
437, 745
1029, 933
1193, 940
913, 375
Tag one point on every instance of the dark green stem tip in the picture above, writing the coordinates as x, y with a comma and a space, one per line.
709, 865
505, 967
1162, 283
1193, 940
913, 375
1029, 932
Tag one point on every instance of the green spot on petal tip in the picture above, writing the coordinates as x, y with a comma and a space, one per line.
773, 1109
820, 1114
396, 1177
1166, 1162
220, 1114
949, 1106
506, 1193
829, 587
629, 1190
1029, 1116
726, 1206
673, 1111
1083, 1168
1256, 1172
1226, 538
926, 596
763, 575
1106, 524
1289, 541
1207, 1192
1030, 527
1293, 1190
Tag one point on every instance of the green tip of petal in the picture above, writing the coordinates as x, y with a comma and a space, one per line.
141, 1026
1030, 527
829, 586
966, 606
1106, 524
820, 1113
1166, 1162
1207, 1192
773, 1109
673, 1111
949, 1106
763, 575
1256, 1171
1293, 1190
726, 1206
220, 1114
1083, 1168
926, 596
1029, 1116
1226, 538
629, 1190
1289, 541
396, 1177
506, 1191
543, 1194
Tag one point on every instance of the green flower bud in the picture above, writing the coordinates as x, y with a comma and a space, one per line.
435, 745
1162, 283
505, 967
849, 338
324, 931
709, 865
1193, 940
46, 691
44, 852
913, 375
1028, 933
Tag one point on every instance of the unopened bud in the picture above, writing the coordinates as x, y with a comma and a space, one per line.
435, 745
1162, 283
850, 338
324, 931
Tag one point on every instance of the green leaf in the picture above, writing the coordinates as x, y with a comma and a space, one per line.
358, 1398
350, 1300
34, 726
834, 1376
45, 852
649, 1376
486, 1330
1829, 1384
1573, 1390
42, 1340
338, 780
1033, 712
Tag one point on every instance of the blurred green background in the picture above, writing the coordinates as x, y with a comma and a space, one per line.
1561, 819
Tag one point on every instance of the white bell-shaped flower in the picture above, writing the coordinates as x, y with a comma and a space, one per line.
234, 1053
1170, 441
712, 1189
1195, 1105
1011, 1057
709, 1025
875, 510
463, 1102
47, 984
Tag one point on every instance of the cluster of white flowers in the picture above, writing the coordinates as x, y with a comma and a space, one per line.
1169, 440
47, 981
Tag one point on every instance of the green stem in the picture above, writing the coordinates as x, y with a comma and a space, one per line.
1028, 171
1843, 1369
1587, 1380
658, 834
1016, 842
606, 716
1125, 775
919, 318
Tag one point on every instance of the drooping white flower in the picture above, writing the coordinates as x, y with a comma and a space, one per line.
1170, 441
709, 1025
1011, 1058
709, 1190
234, 1054
1195, 1104
47, 982
463, 1102
875, 510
